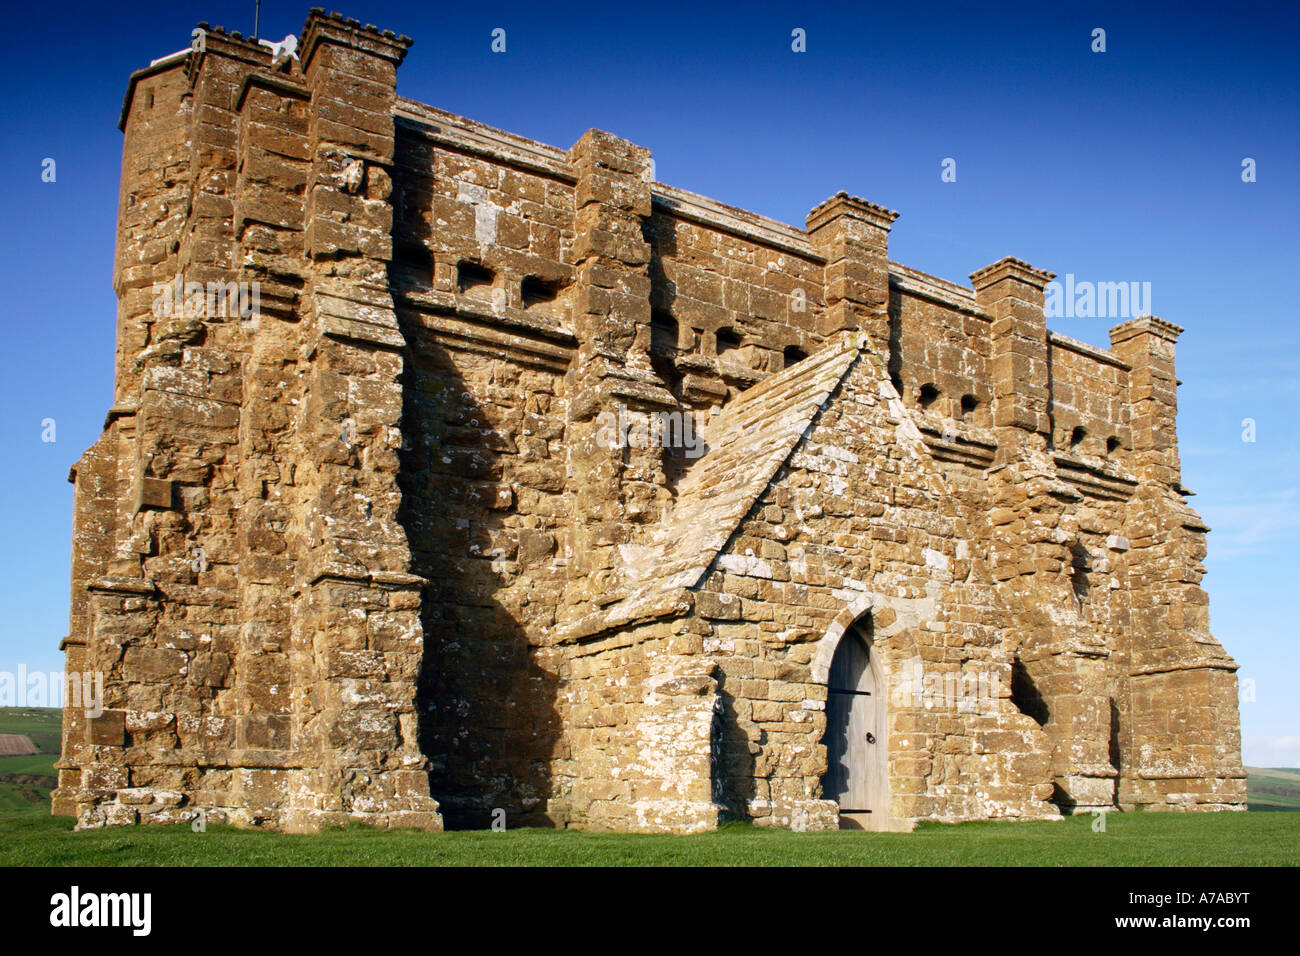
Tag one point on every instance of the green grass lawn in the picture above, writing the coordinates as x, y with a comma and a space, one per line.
42, 764
33, 838
42, 724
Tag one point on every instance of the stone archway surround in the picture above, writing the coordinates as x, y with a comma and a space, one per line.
893, 623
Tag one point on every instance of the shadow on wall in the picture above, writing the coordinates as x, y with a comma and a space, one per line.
1025, 695
1115, 746
734, 783
895, 314
489, 722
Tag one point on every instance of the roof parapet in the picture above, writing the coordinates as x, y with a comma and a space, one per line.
1013, 268
233, 44
842, 204
1145, 323
345, 31
205, 38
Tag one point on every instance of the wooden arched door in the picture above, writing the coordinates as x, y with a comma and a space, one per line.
856, 735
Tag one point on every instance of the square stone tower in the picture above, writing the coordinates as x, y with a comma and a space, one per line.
452, 474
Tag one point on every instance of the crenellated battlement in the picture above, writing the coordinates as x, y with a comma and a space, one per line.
936, 319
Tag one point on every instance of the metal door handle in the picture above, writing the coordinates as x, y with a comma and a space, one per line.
871, 738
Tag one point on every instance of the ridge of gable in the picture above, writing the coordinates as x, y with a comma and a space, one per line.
752, 437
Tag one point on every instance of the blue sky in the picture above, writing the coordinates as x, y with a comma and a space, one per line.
1115, 166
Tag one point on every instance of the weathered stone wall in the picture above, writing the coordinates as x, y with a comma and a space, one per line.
640, 747
1089, 392
859, 518
939, 356
734, 306
1182, 743
369, 552
256, 622
484, 467
483, 474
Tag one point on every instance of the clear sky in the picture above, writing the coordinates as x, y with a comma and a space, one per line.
1117, 166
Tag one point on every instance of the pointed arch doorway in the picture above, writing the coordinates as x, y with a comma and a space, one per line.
857, 733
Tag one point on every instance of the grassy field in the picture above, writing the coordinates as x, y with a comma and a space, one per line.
26, 781
36, 722
1275, 788
29, 836
33, 838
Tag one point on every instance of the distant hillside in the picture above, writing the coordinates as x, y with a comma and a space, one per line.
1273, 788
29, 745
